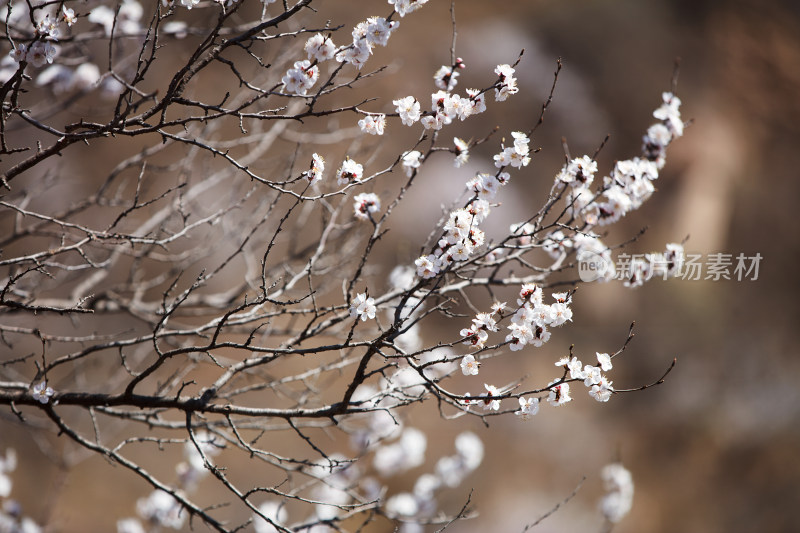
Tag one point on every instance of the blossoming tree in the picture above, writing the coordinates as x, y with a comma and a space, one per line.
216, 289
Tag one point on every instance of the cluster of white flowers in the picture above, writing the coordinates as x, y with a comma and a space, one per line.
39, 53
631, 181
580, 170
530, 322
407, 453
363, 307
556, 244
600, 388
49, 28
628, 186
366, 35
320, 48
301, 77
529, 325
462, 236
478, 332
159, 509
517, 155
338, 476
592, 375
445, 105
507, 84
375, 31
395, 450
373, 124
63, 79
619, 496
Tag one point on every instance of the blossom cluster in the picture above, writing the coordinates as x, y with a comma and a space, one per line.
462, 236
447, 106
41, 51
559, 391
301, 77
350, 172
48, 26
529, 326
592, 375
529, 323
408, 373
363, 307
631, 181
375, 31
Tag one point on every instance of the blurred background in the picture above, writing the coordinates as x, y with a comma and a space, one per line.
717, 446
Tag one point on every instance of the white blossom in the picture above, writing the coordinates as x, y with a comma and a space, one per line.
527, 408
42, 393
363, 307
320, 48
404, 7
365, 204
316, 168
506, 84
349, 172
559, 393
409, 110
373, 124
411, 160
469, 366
